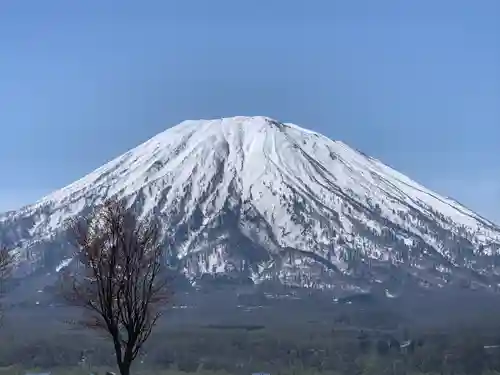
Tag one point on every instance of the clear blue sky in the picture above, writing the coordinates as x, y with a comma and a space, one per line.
414, 83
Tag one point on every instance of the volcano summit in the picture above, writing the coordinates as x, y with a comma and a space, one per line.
253, 198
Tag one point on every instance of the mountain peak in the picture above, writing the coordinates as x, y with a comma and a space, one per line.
273, 200
238, 120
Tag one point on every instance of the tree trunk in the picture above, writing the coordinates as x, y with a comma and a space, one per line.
122, 363
125, 367
126, 362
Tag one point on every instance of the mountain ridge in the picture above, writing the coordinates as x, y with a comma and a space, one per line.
310, 211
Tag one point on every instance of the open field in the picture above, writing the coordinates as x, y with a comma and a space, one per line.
312, 334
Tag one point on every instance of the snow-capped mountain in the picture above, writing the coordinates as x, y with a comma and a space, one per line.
260, 199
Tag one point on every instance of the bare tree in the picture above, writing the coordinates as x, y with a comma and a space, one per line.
118, 278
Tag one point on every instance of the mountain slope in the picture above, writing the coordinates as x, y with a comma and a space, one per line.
252, 197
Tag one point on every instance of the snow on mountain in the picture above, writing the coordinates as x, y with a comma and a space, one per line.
253, 197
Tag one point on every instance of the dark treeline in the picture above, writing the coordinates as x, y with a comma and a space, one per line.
299, 348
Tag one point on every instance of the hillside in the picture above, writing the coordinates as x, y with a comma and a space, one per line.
253, 198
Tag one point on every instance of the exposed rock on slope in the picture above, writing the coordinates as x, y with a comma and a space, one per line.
253, 197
